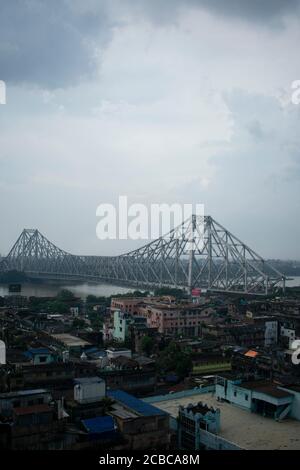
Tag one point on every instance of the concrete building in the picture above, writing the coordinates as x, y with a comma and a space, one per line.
239, 428
142, 426
172, 319
113, 353
127, 304
40, 356
89, 389
122, 320
261, 397
191, 420
125, 323
22, 399
2, 352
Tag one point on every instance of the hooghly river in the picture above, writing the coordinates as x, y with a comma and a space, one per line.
80, 289
84, 289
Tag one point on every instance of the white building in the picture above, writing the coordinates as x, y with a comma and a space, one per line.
2, 352
112, 353
89, 390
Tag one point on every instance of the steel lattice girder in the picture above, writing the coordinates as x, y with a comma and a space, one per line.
199, 252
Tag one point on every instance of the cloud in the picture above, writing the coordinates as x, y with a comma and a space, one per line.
59, 44
51, 44
263, 12
184, 109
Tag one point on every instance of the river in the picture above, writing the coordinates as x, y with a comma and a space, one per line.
84, 289
81, 289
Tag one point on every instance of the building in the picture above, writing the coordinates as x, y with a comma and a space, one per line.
74, 344
165, 315
239, 428
122, 320
2, 352
260, 396
174, 319
40, 356
89, 389
102, 428
113, 353
22, 399
241, 334
142, 426
198, 427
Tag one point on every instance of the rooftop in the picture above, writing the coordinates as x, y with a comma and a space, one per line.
70, 340
265, 387
22, 393
30, 410
131, 403
247, 430
89, 380
99, 424
118, 349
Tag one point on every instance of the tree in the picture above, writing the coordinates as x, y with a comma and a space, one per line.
172, 359
56, 306
65, 295
78, 323
147, 345
184, 365
177, 293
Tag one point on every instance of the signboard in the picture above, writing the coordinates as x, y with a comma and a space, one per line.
196, 292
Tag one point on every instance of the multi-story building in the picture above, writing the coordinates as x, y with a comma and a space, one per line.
176, 319
142, 425
195, 422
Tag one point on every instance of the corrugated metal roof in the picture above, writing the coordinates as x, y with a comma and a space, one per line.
21, 393
251, 353
99, 425
30, 410
133, 403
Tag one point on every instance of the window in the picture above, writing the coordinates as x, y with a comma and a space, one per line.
246, 397
234, 393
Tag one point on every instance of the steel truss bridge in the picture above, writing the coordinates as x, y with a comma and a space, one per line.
198, 253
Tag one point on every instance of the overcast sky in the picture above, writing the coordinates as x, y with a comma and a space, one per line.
183, 101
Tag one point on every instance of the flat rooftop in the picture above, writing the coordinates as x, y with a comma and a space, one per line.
23, 393
247, 430
71, 341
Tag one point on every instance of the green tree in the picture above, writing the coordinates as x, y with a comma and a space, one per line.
172, 359
78, 323
177, 293
184, 365
56, 306
147, 345
65, 295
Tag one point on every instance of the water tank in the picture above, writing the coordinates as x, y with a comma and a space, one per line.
65, 356
2, 352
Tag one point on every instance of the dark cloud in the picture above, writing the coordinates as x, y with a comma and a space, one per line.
253, 10
260, 11
50, 43
57, 43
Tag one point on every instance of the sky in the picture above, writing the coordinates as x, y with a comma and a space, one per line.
173, 101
